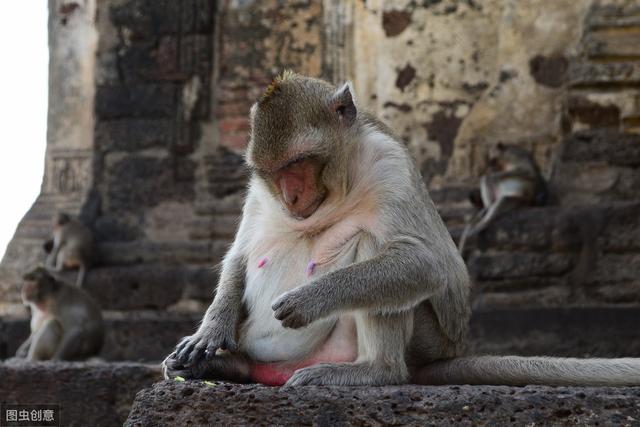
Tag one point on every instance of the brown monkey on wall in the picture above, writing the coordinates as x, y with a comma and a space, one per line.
342, 272
513, 180
65, 322
72, 246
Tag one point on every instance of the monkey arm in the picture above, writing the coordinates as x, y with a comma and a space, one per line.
406, 273
227, 304
23, 350
220, 323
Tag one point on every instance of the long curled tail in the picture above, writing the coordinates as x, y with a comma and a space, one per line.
521, 371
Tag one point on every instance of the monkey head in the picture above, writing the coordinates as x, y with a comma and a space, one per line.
504, 157
60, 219
298, 131
38, 284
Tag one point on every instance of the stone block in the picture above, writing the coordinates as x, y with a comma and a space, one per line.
89, 394
138, 181
197, 16
603, 146
519, 265
136, 101
134, 134
562, 332
150, 60
621, 231
533, 229
620, 43
144, 252
136, 335
146, 18
194, 402
226, 173
603, 74
144, 286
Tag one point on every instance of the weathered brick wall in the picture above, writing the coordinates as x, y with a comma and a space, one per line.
149, 153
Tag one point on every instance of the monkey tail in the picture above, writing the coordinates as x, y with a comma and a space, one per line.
521, 371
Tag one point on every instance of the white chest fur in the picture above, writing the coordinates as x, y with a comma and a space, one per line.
279, 261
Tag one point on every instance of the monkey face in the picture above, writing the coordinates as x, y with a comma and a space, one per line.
37, 285
60, 219
30, 292
298, 132
299, 187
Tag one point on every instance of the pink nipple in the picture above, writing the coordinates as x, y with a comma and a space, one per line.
262, 262
311, 267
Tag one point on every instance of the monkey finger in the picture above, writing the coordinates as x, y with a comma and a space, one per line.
294, 321
210, 352
196, 354
183, 355
230, 345
283, 312
182, 344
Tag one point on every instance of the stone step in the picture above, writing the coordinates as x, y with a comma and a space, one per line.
198, 403
137, 252
86, 393
558, 256
138, 336
603, 74
146, 286
602, 332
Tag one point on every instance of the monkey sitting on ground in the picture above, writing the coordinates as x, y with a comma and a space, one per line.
72, 246
66, 324
342, 272
513, 180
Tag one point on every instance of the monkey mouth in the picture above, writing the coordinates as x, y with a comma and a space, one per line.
309, 209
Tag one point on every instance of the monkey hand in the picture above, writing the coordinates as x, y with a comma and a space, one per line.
298, 307
172, 367
204, 344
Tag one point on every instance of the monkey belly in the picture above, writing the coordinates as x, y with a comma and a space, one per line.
340, 346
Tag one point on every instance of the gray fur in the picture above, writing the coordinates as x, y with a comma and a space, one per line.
514, 180
66, 324
392, 269
72, 244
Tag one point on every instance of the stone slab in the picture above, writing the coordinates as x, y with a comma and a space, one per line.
89, 394
196, 403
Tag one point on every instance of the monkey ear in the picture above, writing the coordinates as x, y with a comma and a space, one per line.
342, 103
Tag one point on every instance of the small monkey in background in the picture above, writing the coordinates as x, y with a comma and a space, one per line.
342, 272
513, 180
72, 246
66, 324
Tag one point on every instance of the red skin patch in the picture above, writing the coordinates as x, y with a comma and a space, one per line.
272, 374
277, 374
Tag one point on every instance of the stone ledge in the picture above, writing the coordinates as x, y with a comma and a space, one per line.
139, 336
196, 403
89, 394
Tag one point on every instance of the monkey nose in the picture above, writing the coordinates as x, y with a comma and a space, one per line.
290, 195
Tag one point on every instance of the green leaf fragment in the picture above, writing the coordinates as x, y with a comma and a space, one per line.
210, 384
179, 379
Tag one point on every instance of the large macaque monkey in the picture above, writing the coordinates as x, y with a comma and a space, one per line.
513, 180
65, 322
342, 272
72, 246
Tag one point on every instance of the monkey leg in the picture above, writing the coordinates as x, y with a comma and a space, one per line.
382, 342
224, 366
45, 341
501, 206
468, 227
71, 345
82, 271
